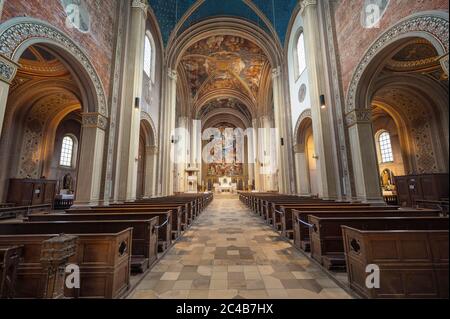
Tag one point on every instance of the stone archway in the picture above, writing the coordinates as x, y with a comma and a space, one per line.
277, 78
431, 26
18, 34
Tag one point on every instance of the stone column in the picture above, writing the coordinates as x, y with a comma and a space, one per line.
256, 154
130, 113
8, 71
281, 120
364, 156
151, 153
324, 136
91, 159
166, 177
301, 167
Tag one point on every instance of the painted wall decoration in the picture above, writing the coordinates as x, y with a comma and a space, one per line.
224, 62
224, 104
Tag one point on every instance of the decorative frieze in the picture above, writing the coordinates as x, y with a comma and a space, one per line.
436, 26
95, 120
8, 69
16, 31
358, 116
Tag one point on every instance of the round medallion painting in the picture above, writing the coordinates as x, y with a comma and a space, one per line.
77, 15
372, 12
302, 93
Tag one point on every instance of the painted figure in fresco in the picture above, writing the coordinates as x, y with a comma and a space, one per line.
68, 182
387, 180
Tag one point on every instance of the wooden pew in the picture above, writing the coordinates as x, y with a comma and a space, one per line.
165, 233
10, 256
11, 212
145, 234
175, 214
412, 263
182, 213
301, 225
103, 254
327, 246
282, 213
41, 269
142, 256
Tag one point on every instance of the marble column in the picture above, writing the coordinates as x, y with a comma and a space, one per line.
301, 167
364, 157
284, 161
130, 113
151, 153
166, 177
8, 71
91, 159
324, 137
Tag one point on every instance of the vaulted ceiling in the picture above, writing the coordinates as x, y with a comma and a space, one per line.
224, 63
277, 13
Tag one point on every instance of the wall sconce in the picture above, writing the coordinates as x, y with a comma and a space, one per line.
322, 102
315, 157
282, 141
137, 102
173, 140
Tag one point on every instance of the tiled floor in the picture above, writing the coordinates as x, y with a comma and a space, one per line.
230, 253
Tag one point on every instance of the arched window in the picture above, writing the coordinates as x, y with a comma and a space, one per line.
66, 151
384, 141
148, 57
301, 59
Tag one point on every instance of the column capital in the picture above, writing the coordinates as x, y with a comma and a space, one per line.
95, 120
8, 69
172, 74
358, 116
306, 3
299, 148
152, 150
140, 4
276, 72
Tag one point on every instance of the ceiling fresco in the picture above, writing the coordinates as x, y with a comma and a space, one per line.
224, 62
169, 12
224, 104
417, 56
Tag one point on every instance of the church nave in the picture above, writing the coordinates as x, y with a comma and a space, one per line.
231, 253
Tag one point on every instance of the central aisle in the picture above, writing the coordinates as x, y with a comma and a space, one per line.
230, 253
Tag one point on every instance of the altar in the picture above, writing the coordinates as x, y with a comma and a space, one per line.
225, 185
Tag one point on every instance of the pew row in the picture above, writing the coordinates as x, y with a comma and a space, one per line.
327, 245
411, 263
40, 272
301, 226
10, 256
115, 213
103, 255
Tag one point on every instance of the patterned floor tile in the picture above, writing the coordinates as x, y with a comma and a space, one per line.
229, 253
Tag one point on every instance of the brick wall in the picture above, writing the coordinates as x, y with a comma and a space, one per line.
98, 43
353, 40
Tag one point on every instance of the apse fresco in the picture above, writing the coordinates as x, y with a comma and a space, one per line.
224, 62
224, 104
224, 155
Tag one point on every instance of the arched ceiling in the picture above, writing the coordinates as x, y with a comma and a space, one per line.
222, 67
417, 56
277, 13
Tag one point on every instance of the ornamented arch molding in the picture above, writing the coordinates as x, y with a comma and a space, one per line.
306, 114
432, 25
148, 120
18, 33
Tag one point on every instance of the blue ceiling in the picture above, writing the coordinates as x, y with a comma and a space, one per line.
169, 12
